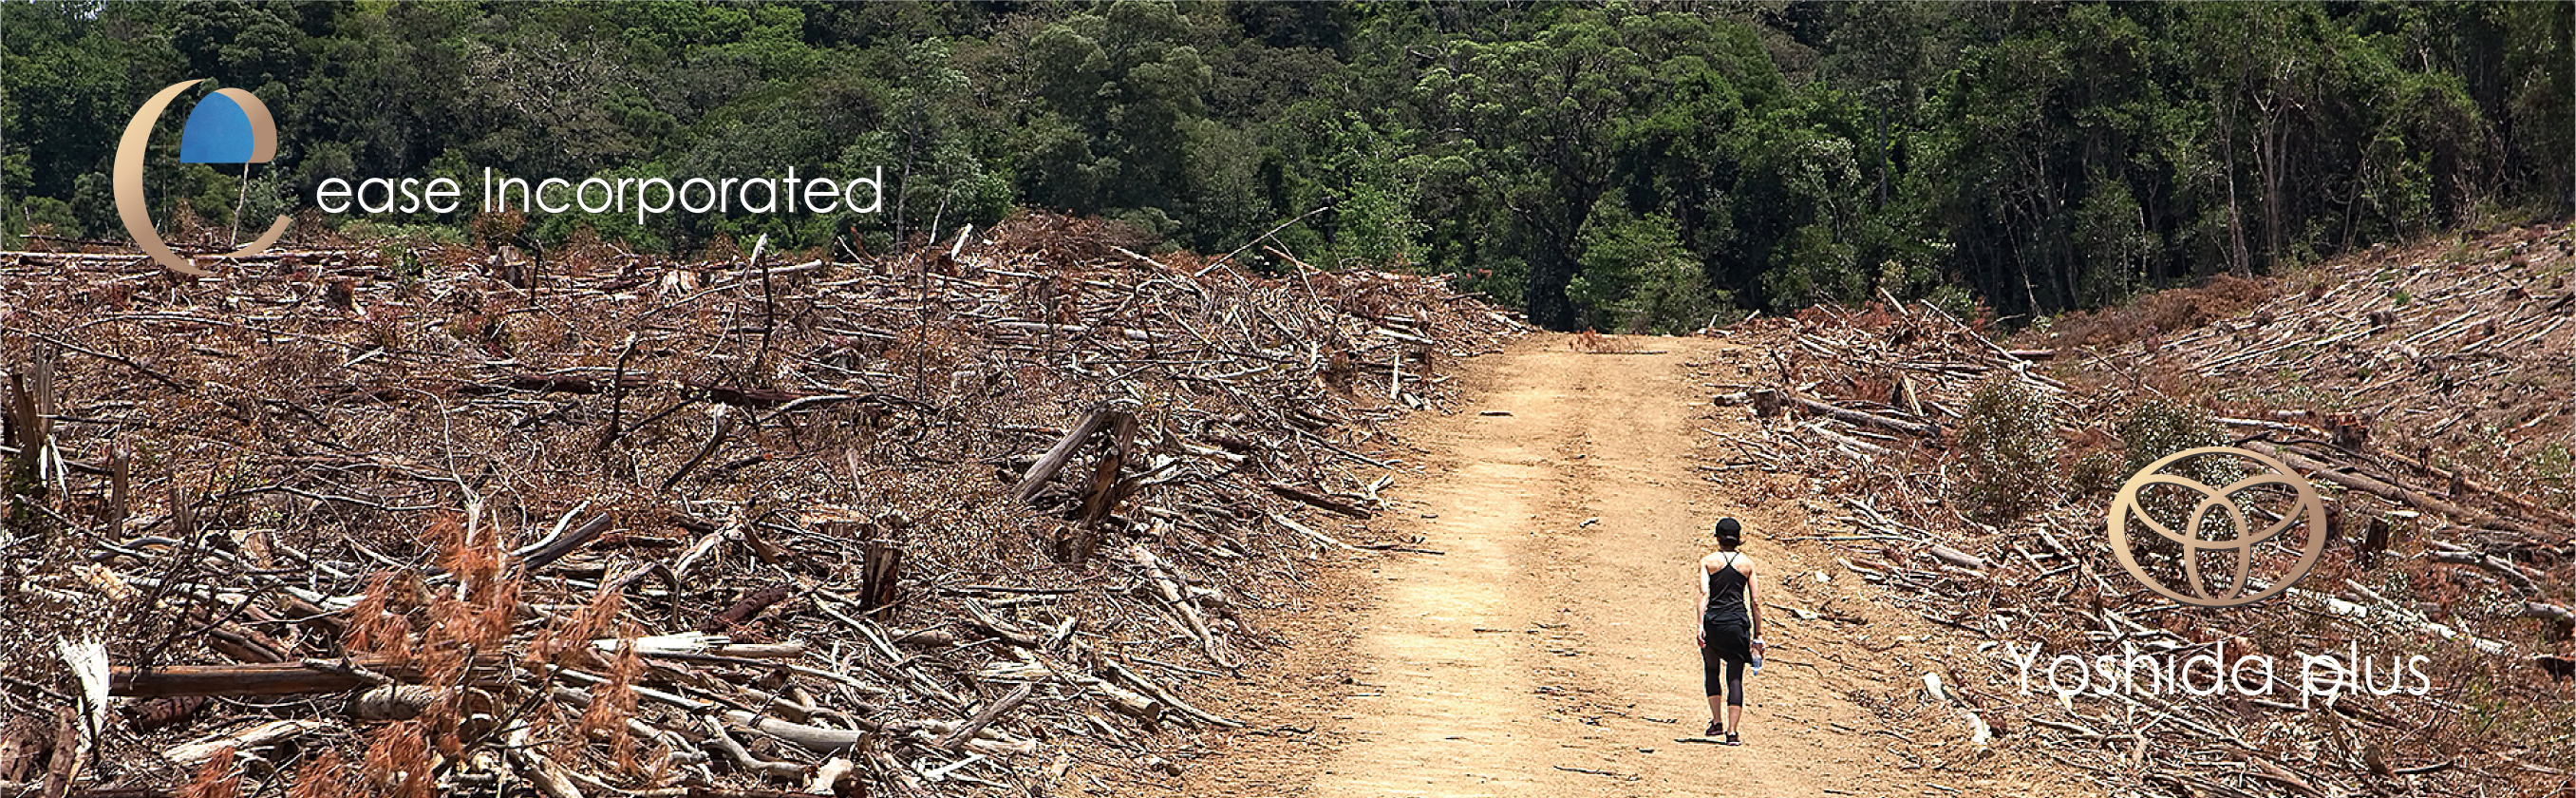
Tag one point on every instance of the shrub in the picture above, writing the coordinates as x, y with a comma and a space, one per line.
2164, 426
2007, 452
2096, 472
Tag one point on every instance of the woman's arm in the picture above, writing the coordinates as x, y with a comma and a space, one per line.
1753, 598
1699, 575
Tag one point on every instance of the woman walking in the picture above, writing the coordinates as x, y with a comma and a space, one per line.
1730, 629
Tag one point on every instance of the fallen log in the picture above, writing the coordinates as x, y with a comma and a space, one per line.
828, 777
556, 383
1865, 446
539, 556
1316, 499
2459, 478
1310, 532
270, 733
1958, 558
65, 764
2504, 570
994, 625
550, 778
812, 738
956, 740
749, 762
279, 678
1062, 452
1176, 595
1866, 419
264, 678
745, 397
1164, 695
2316, 469
743, 611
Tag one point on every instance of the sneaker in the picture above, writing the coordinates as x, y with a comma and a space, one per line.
1714, 730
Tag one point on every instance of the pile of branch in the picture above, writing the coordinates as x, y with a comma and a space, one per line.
2439, 548
392, 520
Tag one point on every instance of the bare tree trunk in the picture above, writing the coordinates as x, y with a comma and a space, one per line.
2272, 141
2236, 255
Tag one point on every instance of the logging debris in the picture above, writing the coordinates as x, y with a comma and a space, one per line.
2421, 390
374, 518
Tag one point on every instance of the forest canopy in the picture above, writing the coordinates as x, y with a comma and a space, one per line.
1629, 166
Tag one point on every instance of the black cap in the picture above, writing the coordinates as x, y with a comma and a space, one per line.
1729, 529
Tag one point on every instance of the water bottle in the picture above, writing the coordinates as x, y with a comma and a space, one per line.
1757, 657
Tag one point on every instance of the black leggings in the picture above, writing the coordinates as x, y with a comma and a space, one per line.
1734, 678
1723, 639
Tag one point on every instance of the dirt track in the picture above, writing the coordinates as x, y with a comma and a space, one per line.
1546, 650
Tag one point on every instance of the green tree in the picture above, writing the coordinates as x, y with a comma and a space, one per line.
1637, 277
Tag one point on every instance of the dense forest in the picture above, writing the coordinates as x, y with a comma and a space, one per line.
1611, 165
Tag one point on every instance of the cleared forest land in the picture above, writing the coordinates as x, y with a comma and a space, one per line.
2422, 389
390, 520
1046, 515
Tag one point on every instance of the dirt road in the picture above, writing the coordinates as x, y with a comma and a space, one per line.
1546, 649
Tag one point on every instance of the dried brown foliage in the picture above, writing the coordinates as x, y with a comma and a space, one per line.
2162, 312
380, 623
610, 706
398, 761
327, 775
218, 778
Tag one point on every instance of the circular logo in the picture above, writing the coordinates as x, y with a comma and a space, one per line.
228, 126
2238, 549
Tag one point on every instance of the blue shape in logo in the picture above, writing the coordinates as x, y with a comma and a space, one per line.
218, 131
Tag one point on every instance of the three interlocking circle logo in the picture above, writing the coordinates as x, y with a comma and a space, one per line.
228, 126
2240, 549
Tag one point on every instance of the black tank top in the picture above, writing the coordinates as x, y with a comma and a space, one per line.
1726, 593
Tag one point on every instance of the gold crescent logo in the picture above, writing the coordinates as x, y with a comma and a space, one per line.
128, 176
2308, 508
